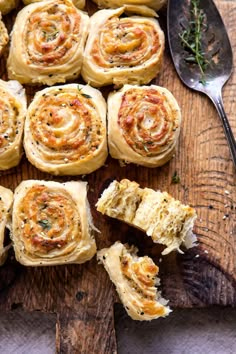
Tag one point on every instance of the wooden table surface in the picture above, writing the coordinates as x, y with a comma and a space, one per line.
82, 296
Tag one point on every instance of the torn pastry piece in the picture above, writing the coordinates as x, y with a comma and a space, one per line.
143, 125
4, 38
47, 43
162, 217
65, 130
13, 112
135, 279
154, 4
80, 4
6, 200
122, 50
52, 223
8, 5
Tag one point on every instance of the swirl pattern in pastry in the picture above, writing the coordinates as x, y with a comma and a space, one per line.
52, 223
78, 3
162, 217
143, 125
65, 130
6, 200
154, 4
47, 43
8, 5
122, 50
136, 281
4, 38
13, 112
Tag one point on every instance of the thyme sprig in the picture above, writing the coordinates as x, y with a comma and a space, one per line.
191, 38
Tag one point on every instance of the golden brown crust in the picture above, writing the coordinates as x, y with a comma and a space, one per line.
51, 223
154, 4
143, 124
6, 199
122, 50
4, 38
47, 43
158, 214
78, 3
8, 5
65, 130
136, 281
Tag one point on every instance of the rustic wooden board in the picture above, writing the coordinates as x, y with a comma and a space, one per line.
82, 295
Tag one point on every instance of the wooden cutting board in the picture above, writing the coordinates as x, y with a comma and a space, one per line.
82, 296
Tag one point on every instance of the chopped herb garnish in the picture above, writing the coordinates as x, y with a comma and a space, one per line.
191, 39
145, 148
85, 95
79, 88
175, 178
45, 224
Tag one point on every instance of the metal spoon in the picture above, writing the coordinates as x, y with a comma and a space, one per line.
217, 50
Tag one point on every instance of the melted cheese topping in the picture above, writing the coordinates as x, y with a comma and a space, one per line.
47, 43
12, 116
136, 281
122, 50
51, 224
6, 199
65, 130
165, 219
143, 125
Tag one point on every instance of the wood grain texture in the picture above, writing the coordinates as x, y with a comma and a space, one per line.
82, 295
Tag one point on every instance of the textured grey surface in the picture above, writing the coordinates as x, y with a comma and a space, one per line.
189, 331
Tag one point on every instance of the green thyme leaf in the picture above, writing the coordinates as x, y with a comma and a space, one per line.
175, 178
45, 224
85, 95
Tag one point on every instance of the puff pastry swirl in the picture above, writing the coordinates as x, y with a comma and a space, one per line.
162, 217
13, 112
52, 223
4, 38
6, 200
136, 281
65, 130
143, 125
8, 5
47, 43
154, 4
78, 3
122, 50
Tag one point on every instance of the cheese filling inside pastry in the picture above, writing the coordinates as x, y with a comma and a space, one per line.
13, 112
78, 3
52, 223
162, 217
136, 281
6, 200
65, 130
122, 50
47, 43
8, 5
143, 125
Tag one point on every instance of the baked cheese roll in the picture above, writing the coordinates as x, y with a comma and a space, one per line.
6, 200
143, 125
78, 3
162, 217
154, 4
8, 5
122, 50
47, 43
52, 223
136, 281
13, 112
4, 38
65, 130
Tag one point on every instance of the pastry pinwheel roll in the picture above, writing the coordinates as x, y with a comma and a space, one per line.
13, 112
6, 200
8, 5
78, 3
51, 223
65, 130
122, 50
136, 281
143, 125
4, 38
154, 4
47, 43
162, 217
